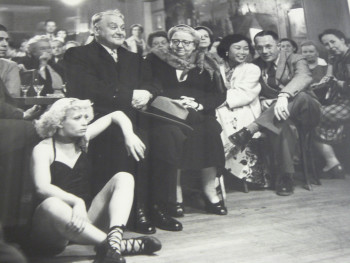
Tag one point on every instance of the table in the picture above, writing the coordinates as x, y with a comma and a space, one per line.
29, 101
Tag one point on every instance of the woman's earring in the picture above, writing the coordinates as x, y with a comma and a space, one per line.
226, 53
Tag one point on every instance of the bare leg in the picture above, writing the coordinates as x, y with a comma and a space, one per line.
208, 181
113, 203
174, 184
50, 227
179, 198
328, 154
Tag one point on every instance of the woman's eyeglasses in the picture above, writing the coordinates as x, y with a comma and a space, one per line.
184, 43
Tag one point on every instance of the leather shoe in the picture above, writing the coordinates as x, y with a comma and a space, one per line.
143, 224
145, 245
337, 172
105, 254
284, 185
241, 138
215, 208
175, 209
163, 221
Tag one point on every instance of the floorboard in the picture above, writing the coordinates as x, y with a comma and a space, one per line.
261, 227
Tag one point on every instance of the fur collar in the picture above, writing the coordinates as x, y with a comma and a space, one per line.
198, 59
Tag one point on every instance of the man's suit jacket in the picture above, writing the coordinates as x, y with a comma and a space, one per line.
9, 73
58, 67
292, 76
92, 74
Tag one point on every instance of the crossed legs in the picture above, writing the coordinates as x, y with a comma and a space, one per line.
110, 209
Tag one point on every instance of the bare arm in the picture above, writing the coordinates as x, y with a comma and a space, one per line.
133, 144
40, 171
117, 117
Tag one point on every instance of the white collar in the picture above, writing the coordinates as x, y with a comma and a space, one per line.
277, 60
109, 50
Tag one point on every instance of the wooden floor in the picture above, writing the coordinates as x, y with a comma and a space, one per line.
309, 226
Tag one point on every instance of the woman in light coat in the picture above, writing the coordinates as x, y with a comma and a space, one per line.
242, 106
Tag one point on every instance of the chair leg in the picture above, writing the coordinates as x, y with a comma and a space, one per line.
316, 178
315, 171
303, 147
245, 186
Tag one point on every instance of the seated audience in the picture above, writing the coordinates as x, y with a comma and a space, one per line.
213, 50
40, 53
56, 62
70, 44
241, 108
285, 78
336, 111
206, 36
23, 49
66, 210
50, 29
192, 84
288, 45
112, 77
9, 71
62, 34
17, 137
14, 131
317, 65
135, 41
158, 40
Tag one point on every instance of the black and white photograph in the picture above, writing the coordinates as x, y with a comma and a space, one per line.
174, 131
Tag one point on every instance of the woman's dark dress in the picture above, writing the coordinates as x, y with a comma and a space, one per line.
197, 149
74, 180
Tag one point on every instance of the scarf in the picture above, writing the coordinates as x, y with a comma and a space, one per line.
198, 59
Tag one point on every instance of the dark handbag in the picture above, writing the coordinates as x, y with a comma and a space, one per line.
326, 92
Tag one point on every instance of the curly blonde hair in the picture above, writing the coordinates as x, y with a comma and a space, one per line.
50, 121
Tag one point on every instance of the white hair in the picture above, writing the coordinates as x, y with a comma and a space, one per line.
98, 16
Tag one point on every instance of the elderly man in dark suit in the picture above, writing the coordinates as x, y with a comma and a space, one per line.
113, 78
284, 98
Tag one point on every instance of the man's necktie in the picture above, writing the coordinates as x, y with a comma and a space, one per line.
46, 80
271, 76
114, 54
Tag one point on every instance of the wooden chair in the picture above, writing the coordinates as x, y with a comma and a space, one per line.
307, 161
310, 173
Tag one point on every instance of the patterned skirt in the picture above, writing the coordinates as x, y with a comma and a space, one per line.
333, 118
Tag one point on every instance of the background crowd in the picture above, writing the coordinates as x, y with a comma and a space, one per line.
178, 104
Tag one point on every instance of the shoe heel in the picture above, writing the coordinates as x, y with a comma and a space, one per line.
215, 208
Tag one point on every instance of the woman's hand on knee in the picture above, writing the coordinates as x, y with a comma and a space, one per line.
79, 218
